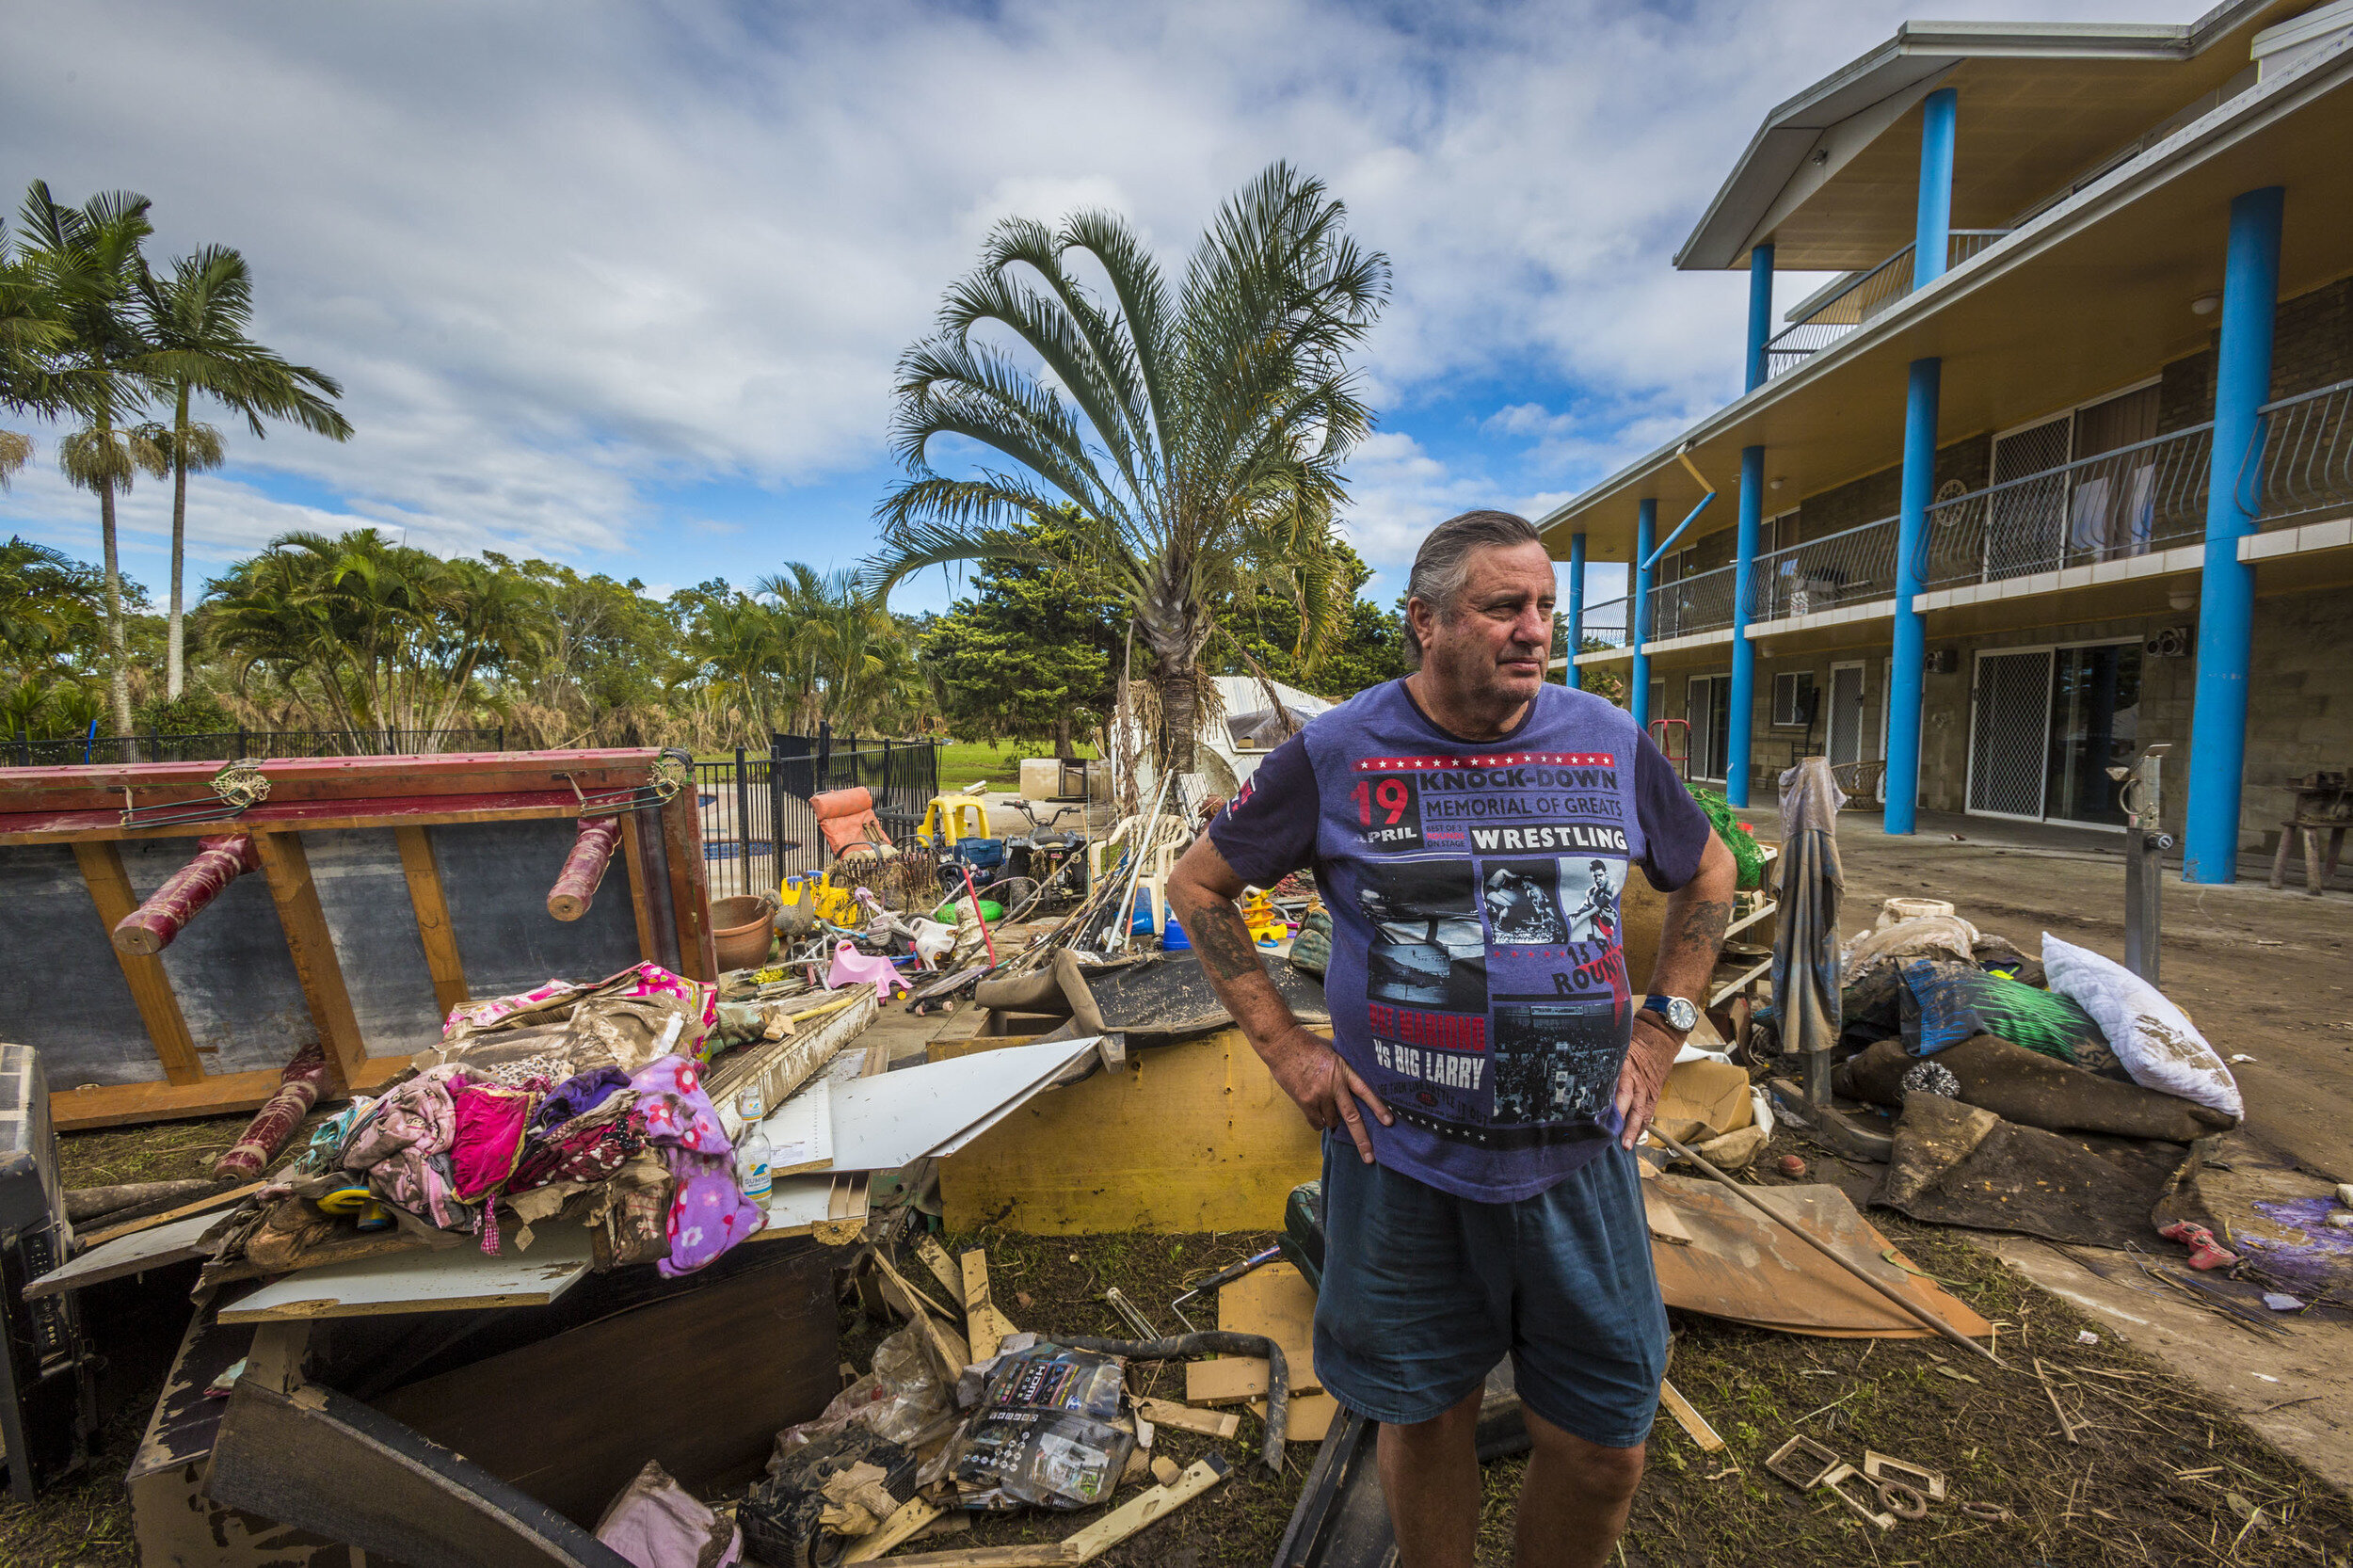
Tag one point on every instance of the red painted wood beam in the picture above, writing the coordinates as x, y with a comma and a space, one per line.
584, 868
151, 927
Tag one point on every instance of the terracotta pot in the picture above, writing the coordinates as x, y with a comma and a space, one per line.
741, 927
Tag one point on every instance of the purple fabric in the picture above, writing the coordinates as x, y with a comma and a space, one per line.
1477, 981
708, 1212
577, 1096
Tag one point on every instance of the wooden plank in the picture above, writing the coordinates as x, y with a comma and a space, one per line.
640, 897
1665, 1224
95, 1105
1184, 1417
1694, 1425
1143, 1509
133, 1255
1307, 1418
984, 1325
105, 827
1189, 1136
935, 1259
909, 1517
462, 1278
100, 786
689, 890
313, 949
150, 988
423, 873
131, 1228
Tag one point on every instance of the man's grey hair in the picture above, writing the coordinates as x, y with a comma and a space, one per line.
1442, 566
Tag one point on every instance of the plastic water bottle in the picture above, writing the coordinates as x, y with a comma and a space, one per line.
752, 1154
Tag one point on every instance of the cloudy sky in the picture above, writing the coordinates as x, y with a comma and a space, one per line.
622, 284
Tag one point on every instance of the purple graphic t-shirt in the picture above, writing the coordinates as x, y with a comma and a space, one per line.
1477, 982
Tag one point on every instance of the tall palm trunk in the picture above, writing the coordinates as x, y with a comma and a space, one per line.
118, 672
173, 666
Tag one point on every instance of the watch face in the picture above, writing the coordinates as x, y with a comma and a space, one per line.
1681, 1015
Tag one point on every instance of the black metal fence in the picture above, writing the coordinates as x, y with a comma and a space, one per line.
758, 825
260, 746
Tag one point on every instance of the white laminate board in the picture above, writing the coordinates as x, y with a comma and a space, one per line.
882, 1123
129, 1255
798, 1204
447, 1279
800, 1131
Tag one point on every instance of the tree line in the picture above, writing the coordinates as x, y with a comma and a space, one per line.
1143, 472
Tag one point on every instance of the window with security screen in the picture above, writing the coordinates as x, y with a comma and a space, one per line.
1793, 697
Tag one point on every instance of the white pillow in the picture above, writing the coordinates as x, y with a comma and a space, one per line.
2154, 1039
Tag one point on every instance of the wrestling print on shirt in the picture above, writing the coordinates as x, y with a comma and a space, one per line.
1428, 946
1495, 986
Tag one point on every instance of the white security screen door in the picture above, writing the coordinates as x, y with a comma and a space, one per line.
1847, 714
2010, 726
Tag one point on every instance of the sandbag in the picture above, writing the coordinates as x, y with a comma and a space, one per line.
2032, 1090
1955, 1164
2157, 1044
1946, 1003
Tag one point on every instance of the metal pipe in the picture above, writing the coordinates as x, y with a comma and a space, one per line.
1682, 456
1907, 643
1638, 618
1760, 314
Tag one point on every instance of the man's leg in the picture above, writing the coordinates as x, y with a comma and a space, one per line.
1430, 1473
1574, 1500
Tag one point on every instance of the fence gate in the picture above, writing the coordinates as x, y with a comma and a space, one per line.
2009, 727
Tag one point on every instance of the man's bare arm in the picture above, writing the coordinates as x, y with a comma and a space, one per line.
1201, 892
1692, 936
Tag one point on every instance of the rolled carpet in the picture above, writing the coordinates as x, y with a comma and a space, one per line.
299, 1089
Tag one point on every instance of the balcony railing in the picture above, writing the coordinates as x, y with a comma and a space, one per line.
1852, 567
2307, 457
1605, 623
2146, 496
1695, 604
1820, 321
2121, 503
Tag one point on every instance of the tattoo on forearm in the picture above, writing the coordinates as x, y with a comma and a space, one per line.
1703, 927
1227, 948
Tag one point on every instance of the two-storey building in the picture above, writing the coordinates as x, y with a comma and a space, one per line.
2058, 466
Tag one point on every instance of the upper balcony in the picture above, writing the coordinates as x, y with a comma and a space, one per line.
2025, 534
1831, 312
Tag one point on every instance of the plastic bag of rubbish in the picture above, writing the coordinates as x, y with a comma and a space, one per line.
902, 1399
1047, 1432
2154, 1039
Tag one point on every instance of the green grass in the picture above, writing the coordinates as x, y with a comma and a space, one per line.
963, 764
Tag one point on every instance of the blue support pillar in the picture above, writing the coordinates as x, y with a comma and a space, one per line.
2226, 599
1577, 608
1760, 314
1744, 651
1638, 612
1932, 239
1909, 650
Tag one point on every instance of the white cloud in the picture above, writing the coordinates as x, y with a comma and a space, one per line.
564, 254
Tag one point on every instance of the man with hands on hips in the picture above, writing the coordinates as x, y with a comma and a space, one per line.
1483, 1087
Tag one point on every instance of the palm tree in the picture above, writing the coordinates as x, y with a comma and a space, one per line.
86, 262
195, 323
1197, 435
29, 331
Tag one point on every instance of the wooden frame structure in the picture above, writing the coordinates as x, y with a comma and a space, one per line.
476, 839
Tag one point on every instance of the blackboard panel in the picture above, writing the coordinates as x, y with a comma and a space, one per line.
496, 876
230, 969
364, 895
61, 990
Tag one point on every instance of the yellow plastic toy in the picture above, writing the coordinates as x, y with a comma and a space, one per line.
828, 895
1266, 922
952, 817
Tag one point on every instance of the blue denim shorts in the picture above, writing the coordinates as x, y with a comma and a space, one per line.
1425, 1292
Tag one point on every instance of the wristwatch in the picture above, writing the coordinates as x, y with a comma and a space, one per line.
1680, 1015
